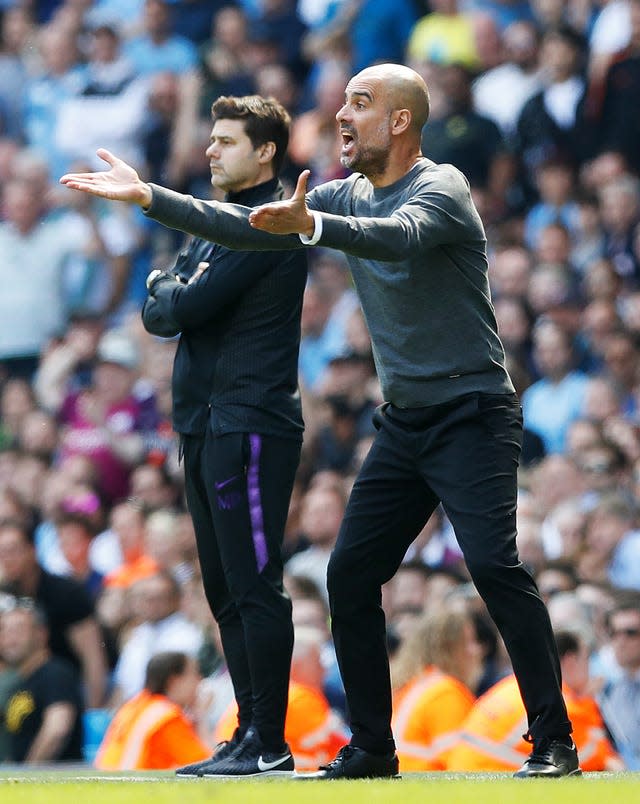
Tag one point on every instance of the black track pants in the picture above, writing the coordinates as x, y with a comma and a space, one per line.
238, 488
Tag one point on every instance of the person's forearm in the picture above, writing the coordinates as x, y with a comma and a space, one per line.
156, 322
86, 642
219, 222
49, 741
52, 375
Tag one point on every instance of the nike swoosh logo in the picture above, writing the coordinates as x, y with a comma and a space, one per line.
265, 766
226, 482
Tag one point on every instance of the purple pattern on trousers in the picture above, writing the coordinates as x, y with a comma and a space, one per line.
255, 502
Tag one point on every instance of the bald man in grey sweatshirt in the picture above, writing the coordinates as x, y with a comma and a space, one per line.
451, 427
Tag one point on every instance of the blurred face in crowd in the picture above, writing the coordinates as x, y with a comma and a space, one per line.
148, 486
624, 632
513, 323
230, 27
509, 272
601, 400
105, 46
554, 244
619, 204
322, 512
156, 17
559, 57
310, 613
575, 669
466, 655
551, 352
555, 183
605, 530
75, 540
183, 688
21, 205
127, 521
601, 281
38, 433
58, 48
20, 636
17, 555
552, 580
16, 401
521, 44
156, 598
112, 381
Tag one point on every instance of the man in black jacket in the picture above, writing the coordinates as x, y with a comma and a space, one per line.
237, 409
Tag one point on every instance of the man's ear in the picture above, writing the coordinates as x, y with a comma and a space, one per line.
267, 152
400, 121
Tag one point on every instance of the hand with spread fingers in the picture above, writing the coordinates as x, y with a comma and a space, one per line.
286, 217
120, 183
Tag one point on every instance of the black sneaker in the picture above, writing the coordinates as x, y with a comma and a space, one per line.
356, 763
250, 759
550, 759
220, 752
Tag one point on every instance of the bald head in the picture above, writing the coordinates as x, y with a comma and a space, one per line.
403, 88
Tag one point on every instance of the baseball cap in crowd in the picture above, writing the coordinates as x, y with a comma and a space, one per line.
116, 346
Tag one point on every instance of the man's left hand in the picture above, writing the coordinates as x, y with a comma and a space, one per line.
286, 217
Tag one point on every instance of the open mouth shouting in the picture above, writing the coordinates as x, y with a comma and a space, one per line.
348, 141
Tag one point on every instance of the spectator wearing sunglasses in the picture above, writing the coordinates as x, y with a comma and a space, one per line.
620, 699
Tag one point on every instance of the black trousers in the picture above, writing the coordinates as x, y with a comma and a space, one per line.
464, 454
238, 488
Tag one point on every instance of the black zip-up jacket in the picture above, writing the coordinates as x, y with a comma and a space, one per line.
236, 366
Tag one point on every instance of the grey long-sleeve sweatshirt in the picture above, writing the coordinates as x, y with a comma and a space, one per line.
417, 252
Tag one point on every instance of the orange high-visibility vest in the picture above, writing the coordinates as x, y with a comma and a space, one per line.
491, 736
150, 732
315, 733
427, 714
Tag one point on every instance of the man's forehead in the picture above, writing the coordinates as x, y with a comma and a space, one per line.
225, 127
369, 86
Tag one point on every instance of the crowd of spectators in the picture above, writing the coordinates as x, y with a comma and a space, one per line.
538, 102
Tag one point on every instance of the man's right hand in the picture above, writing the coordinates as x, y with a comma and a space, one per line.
120, 183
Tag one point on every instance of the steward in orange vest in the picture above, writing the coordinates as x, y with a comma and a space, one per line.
151, 731
439, 663
491, 736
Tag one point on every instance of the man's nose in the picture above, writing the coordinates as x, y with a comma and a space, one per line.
342, 113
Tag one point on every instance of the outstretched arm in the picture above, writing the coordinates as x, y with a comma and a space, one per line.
223, 223
119, 183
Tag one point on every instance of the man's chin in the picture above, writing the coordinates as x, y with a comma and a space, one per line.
349, 162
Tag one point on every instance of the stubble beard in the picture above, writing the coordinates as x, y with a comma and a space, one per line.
371, 160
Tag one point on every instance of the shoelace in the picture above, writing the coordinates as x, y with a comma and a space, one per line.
541, 751
343, 754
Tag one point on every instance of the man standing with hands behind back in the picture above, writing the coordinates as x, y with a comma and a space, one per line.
451, 428
237, 409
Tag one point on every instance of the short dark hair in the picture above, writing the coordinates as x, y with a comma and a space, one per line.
161, 668
567, 642
265, 120
625, 600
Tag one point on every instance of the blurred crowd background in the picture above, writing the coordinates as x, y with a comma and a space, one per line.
537, 102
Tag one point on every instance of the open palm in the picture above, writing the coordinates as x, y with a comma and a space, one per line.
120, 183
